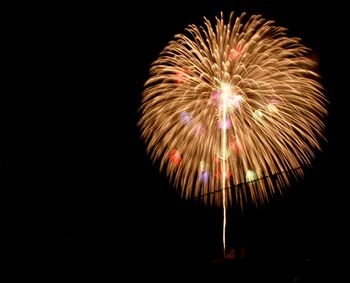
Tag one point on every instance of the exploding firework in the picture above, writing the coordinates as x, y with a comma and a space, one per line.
229, 106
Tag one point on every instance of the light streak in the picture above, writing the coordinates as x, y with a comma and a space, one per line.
243, 93
225, 93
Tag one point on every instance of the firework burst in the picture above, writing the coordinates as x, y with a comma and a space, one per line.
227, 106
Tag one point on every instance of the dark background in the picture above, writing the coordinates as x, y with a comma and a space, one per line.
86, 202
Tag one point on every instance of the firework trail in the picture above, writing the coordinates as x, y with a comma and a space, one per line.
233, 104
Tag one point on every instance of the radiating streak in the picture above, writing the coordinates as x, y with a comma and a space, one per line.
179, 112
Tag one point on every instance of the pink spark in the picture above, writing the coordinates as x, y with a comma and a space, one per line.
232, 100
180, 75
225, 124
174, 157
219, 173
215, 95
236, 144
234, 53
198, 130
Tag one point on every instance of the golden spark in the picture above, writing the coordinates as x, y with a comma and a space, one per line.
240, 97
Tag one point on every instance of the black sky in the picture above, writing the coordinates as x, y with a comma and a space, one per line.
86, 202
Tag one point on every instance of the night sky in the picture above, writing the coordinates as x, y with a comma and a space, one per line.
86, 202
